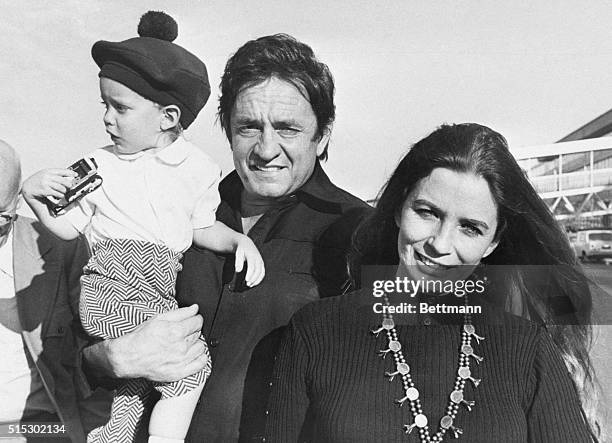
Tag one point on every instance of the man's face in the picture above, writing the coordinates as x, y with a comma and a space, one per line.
274, 139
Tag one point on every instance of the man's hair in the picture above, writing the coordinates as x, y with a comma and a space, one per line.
280, 56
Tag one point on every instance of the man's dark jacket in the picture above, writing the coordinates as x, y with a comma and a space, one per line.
304, 245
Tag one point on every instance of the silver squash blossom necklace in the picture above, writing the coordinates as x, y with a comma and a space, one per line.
411, 393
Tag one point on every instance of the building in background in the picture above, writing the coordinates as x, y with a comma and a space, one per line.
574, 175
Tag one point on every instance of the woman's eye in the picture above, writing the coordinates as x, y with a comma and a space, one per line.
425, 212
471, 230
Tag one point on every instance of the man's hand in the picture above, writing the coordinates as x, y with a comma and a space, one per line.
247, 251
165, 348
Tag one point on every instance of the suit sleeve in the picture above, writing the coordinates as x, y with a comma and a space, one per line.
555, 414
289, 399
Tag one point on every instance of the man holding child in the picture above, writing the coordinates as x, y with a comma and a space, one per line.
276, 108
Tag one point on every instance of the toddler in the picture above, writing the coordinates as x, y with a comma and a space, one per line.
159, 193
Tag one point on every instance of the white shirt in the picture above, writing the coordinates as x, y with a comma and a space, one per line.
19, 379
156, 197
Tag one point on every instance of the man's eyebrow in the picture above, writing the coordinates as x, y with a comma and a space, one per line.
286, 122
245, 120
279, 122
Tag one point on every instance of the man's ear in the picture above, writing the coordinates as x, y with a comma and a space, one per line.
171, 116
322, 143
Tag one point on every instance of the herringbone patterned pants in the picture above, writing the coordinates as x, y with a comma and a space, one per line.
125, 283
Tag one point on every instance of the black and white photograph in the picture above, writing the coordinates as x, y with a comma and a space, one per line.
324, 221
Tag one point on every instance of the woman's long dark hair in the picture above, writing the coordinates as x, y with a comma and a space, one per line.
533, 271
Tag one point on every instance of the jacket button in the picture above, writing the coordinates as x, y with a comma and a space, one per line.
213, 342
60, 329
427, 321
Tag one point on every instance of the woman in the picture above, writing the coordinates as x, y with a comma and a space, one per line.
457, 209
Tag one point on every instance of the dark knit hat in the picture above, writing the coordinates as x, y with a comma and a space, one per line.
156, 68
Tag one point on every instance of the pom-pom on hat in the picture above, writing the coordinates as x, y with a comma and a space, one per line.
156, 68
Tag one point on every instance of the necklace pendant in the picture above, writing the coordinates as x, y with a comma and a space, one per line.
469, 351
420, 421
466, 374
456, 431
469, 404
471, 331
477, 358
447, 423
391, 375
383, 352
411, 394
402, 369
400, 402
394, 346
387, 325
457, 398
408, 428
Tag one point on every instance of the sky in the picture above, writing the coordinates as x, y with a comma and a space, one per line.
534, 71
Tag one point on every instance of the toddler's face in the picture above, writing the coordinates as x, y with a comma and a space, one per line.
132, 121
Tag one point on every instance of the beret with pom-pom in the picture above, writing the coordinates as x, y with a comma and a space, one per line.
158, 24
154, 67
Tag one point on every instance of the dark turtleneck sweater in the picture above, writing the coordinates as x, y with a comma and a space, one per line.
330, 384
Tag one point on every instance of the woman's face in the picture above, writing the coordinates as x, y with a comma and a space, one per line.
446, 226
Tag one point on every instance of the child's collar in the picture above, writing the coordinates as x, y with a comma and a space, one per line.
175, 153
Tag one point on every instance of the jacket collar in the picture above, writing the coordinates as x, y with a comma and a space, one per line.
318, 193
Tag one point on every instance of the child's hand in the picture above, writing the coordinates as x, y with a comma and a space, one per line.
247, 251
49, 183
